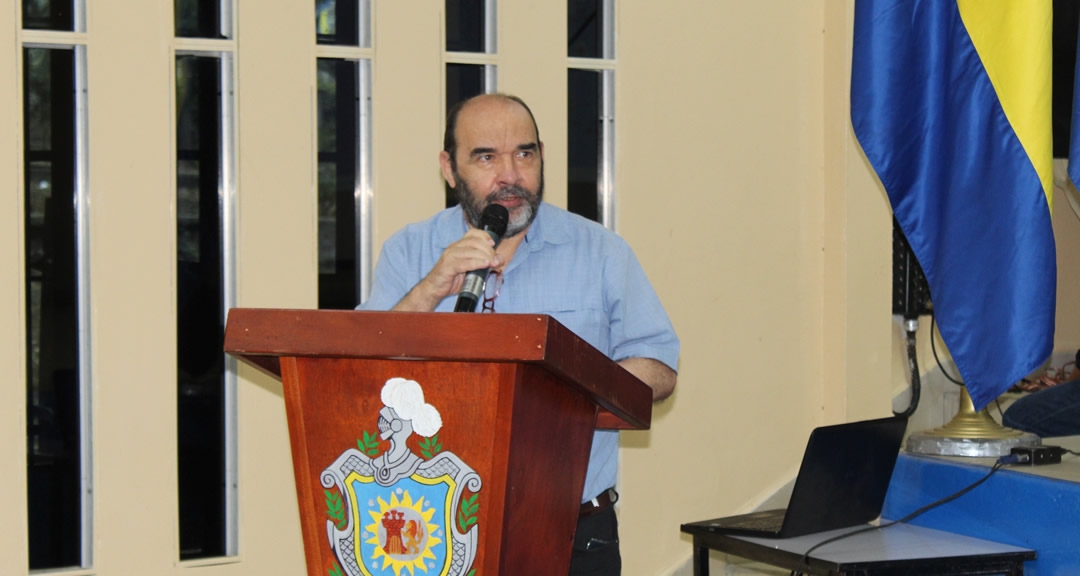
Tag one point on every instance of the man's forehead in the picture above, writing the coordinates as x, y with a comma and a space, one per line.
495, 121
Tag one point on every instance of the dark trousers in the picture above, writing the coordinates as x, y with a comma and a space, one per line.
1050, 412
596, 545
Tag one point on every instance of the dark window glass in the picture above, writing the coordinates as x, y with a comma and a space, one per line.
465, 26
1066, 20
200, 359
198, 18
52, 321
584, 143
463, 81
336, 22
338, 107
584, 19
48, 15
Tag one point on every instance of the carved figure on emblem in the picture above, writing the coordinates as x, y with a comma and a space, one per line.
398, 509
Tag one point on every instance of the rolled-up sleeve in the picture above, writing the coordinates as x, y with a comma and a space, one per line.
640, 327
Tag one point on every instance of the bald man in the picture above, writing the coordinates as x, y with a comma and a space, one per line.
549, 261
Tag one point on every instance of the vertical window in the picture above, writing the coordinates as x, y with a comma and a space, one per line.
591, 104
56, 261
470, 56
343, 71
205, 278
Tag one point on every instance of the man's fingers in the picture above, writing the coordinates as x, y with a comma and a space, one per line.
474, 251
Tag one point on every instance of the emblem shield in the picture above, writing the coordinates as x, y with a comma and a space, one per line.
406, 524
402, 513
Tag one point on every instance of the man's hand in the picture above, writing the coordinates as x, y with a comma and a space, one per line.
654, 373
475, 251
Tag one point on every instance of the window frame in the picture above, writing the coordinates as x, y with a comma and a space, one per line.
363, 55
225, 50
77, 41
489, 58
605, 66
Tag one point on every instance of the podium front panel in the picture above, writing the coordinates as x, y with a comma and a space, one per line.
447, 468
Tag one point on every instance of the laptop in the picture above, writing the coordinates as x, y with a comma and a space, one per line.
842, 482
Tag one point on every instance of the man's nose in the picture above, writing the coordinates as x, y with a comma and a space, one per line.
507, 170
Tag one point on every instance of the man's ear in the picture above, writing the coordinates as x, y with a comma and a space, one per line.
447, 169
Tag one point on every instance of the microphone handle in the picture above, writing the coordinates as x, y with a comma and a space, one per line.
473, 288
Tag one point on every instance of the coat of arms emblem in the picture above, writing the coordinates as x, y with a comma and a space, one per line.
398, 511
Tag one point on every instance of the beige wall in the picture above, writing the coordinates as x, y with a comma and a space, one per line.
739, 184
743, 193
13, 540
133, 326
718, 186
408, 110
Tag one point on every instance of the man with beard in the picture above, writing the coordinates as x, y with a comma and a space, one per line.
549, 261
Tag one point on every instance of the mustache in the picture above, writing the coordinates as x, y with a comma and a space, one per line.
507, 193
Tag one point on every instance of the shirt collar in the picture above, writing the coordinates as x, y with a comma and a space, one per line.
450, 227
549, 226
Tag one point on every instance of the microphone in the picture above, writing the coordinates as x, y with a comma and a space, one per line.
493, 221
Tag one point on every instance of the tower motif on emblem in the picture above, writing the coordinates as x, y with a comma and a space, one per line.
397, 510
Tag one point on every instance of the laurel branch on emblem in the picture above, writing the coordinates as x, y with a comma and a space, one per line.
335, 508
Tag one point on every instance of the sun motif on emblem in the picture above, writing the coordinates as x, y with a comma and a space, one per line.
403, 534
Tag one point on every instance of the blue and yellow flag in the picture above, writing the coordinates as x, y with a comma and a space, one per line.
950, 100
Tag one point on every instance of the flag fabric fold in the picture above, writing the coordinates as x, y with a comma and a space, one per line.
950, 101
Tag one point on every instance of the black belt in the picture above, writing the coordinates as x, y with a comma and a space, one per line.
604, 500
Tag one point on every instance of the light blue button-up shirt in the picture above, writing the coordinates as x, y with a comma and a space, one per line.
568, 267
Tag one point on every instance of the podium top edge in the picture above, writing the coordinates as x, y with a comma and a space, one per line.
399, 335
260, 336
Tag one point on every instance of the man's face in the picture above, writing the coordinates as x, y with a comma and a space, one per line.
499, 160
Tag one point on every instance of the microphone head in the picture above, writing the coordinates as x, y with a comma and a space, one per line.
495, 219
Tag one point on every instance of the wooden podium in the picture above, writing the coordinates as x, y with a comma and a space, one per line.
383, 487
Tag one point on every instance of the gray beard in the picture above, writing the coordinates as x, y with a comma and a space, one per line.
518, 222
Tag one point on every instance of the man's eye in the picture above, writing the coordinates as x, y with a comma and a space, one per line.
524, 154
486, 157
